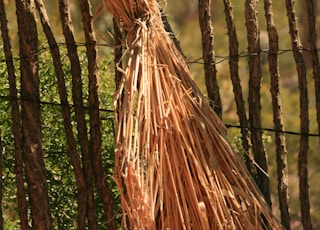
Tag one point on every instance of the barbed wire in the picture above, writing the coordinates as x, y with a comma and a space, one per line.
46, 48
220, 58
242, 54
245, 54
274, 130
10, 98
228, 126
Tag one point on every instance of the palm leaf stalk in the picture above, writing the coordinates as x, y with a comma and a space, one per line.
174, 166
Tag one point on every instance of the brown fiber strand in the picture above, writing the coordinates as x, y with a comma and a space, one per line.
174, 167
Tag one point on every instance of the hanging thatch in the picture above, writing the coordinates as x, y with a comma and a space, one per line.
174, 167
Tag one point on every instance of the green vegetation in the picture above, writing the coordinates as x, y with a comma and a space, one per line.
60, 175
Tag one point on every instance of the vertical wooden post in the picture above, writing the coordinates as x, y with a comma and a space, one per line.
66, 114
277, 116
237, 89
260, 155
209, 56
31, 123
16, 126
77, 94
95, 119
304, 117
312, 40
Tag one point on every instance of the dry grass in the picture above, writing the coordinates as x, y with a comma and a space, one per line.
174, 167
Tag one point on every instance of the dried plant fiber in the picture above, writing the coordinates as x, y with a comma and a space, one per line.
174, 167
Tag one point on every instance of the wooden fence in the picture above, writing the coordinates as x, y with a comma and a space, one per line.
84, 144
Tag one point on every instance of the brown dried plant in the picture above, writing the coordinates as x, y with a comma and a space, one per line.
174, 167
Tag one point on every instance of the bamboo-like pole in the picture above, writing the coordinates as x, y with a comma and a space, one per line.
66, 114
260, 155
304, 117
30, 116
77, 94
95, 119
312, 40
209, 55
237, 89
283, 190
16, 127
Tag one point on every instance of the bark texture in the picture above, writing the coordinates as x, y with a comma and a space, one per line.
95, 119
282, 163
304, 116
312, 41
66, 114
260, 155
209, 56
237, 89
77, 93
31, 123
16, 126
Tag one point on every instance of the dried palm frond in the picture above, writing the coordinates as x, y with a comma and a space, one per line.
174, 167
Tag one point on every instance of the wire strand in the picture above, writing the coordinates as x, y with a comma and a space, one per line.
228, 126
